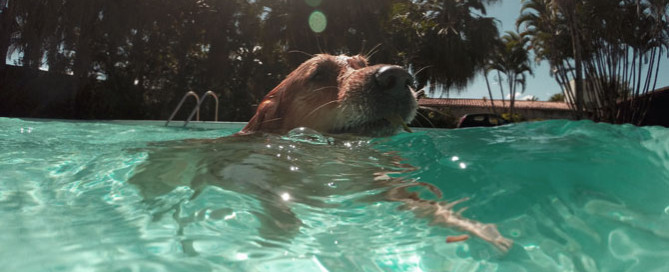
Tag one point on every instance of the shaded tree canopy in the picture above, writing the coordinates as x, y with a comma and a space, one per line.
146, 54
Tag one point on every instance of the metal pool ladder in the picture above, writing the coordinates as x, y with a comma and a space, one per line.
196, 110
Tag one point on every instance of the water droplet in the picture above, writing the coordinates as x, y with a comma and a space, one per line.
306, 135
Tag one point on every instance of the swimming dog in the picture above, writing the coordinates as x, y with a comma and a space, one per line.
343, 94
332, 95
339, 94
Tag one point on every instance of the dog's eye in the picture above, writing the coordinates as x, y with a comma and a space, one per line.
357, 62
324, 71
316, 75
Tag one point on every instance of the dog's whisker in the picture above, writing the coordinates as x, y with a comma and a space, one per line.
428, 108
421, 70
301, 52
373, 51
324, 88
418, 94
426, 119
320, 107
271, 120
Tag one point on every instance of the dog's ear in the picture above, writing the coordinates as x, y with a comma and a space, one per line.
273, 112
269, 114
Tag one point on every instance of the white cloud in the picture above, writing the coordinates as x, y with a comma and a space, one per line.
508, 96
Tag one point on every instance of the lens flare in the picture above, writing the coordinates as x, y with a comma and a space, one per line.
317, 21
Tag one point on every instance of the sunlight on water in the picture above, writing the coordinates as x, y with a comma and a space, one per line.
574, 196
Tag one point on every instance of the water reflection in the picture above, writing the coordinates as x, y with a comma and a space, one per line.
272, 173
304, 188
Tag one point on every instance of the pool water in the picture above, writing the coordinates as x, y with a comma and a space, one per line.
574, 196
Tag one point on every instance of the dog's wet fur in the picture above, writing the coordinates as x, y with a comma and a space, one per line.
332, 95
339, 94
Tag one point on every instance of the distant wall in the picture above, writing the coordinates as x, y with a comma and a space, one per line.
451, 110
527, 113
31, 93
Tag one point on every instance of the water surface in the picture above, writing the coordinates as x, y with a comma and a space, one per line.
574, 196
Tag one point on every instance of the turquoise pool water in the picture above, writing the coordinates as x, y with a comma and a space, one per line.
574, 196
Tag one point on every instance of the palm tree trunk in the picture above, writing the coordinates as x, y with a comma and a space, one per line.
512, 93
501, 89
568, 8
578, 59
487, 84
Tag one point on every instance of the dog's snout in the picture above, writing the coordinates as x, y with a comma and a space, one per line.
392, 76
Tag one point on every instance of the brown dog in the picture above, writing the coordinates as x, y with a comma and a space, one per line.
330, 94
339, 94
342, 94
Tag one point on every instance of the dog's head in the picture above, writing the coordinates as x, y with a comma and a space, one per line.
339, 94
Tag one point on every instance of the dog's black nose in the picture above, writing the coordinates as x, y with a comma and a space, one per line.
392, 77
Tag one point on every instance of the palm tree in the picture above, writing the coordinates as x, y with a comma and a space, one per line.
569, 9
549, 37
604, 47
512, 59
487, 84
453, 40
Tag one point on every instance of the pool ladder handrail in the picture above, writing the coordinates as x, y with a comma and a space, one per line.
196, 110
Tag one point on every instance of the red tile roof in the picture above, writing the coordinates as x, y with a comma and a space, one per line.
518, 104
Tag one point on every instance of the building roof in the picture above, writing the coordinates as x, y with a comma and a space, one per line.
518, 104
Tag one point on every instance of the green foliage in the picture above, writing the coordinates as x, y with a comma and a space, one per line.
435, 118
513, 117
146, 54
614, 46
558, 97
451, 42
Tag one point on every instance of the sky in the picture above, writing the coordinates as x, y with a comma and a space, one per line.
541, 85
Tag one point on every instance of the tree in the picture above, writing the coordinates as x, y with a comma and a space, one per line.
123, 55
511, 58
569, 9
617, 44
454, 41
8, 27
